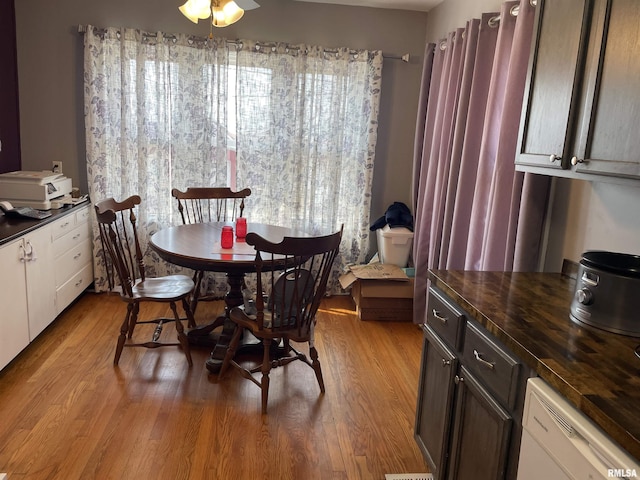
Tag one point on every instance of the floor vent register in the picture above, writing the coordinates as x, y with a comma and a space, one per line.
408, 476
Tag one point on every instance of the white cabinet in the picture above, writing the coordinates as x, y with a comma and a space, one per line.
40, 281
43, 271
13, 297
27, 291
73, 257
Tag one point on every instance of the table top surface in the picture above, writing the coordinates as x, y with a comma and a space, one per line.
197, 246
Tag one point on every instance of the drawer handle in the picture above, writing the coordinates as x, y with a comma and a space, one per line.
77, 256
445, 362
479, 358
23, 256
76, 236
64, 225
78, 283
437, 315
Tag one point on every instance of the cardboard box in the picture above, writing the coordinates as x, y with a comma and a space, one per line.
376, 271
383, 300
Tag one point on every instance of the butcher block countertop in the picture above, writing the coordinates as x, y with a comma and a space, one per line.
595, 370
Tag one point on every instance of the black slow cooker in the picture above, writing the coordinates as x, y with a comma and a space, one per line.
608, 292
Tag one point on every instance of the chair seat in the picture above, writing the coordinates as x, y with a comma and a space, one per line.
171, 287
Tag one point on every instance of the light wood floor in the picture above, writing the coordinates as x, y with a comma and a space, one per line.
67, 413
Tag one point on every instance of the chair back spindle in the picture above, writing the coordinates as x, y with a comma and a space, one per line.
210, 204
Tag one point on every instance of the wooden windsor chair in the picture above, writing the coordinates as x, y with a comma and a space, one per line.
208, 204
288, 313
126, 275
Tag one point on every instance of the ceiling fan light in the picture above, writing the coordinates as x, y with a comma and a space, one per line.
226, 14
196, 9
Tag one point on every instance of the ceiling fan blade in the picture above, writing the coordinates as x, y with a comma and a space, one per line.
247, 4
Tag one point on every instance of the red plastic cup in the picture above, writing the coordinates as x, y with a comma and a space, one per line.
241, 227
226, 239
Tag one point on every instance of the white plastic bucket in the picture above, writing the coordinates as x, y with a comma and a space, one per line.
394, 245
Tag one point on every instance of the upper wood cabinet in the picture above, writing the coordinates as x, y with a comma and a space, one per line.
582, 101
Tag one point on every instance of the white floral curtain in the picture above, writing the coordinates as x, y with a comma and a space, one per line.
164, 111
307, 130
155, 118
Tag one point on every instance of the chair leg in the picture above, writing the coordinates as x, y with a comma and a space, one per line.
266, 368
315, 364
133, 319
231, 351
124, 329
197, 280
191, 321
182, 338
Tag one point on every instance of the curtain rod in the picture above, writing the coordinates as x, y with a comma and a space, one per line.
405, 57
493, 21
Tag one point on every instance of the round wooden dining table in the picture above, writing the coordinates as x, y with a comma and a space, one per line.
197, 246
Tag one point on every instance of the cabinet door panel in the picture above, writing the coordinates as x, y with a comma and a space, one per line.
435, 402
481, 435
41, 286
13, 297
607, 140
554, 83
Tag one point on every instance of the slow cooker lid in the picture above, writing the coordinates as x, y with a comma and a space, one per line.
618, 263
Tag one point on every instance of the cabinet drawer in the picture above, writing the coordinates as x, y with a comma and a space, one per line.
70, 239
68, 292
445, 318
63, 226
69, 222
72, 261
497, 369
82, 216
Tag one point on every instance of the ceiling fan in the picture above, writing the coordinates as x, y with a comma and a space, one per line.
222, 12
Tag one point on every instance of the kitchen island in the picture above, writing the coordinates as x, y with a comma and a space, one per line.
595, 370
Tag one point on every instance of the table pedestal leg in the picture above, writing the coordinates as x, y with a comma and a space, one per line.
232, 299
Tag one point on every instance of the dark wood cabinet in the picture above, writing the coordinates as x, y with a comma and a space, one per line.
470, 397
582, 103
9, 118
481, 432
435, 401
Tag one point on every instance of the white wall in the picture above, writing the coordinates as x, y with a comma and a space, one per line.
592, 216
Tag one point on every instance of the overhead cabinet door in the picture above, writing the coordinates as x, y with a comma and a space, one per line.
553, 83
582, 101
608, 141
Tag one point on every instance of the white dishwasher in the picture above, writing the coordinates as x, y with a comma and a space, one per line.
559, 442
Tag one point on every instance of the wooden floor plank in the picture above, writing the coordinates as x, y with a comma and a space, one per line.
66, 412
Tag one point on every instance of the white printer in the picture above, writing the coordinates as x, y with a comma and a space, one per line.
42, 190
